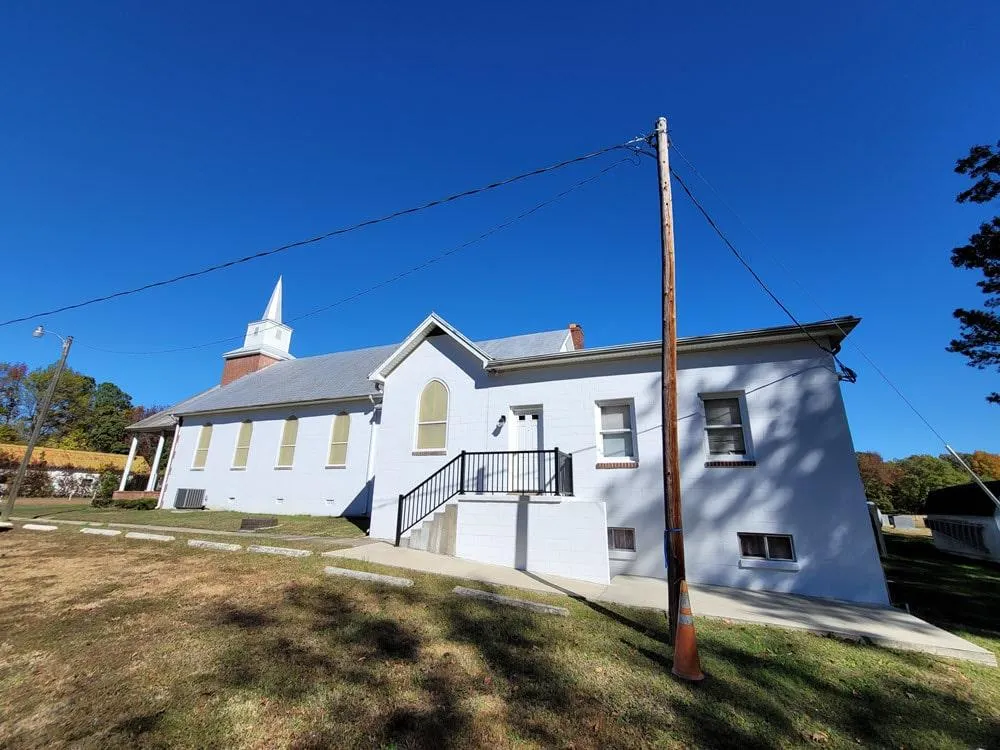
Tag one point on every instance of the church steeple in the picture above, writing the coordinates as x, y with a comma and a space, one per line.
267, 341
273, 310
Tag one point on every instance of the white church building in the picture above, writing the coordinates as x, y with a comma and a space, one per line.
535, 452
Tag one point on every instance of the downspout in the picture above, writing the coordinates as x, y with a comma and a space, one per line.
372, 446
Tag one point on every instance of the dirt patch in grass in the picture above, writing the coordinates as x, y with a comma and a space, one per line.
107, 644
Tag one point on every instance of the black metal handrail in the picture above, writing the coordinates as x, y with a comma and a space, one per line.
546, 472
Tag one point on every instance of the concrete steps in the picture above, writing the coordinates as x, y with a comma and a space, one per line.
436, 533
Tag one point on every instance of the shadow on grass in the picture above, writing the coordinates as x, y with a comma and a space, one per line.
790, 691
949, 591
380, 665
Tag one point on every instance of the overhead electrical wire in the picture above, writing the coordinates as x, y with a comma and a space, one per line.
846, 372
326, 235
402, 274
852, 377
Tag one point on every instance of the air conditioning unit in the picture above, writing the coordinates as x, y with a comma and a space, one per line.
189, 499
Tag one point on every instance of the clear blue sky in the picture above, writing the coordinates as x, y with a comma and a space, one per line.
140, 142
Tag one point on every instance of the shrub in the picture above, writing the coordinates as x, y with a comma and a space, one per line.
138, 503
106, 486
37, 483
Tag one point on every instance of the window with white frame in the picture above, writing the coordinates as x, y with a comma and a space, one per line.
201, 450
338, 440
616, 430
432, 417
724, 425
621, 539
286, 449
767, 547
242, 452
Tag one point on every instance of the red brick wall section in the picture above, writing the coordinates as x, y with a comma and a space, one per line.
237, 367
577, 333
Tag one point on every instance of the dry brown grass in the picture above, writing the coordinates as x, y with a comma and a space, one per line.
110, 643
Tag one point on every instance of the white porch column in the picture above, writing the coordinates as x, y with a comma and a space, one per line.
151, 484
128, 463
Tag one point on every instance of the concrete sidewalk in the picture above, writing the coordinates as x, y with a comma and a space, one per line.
886, 627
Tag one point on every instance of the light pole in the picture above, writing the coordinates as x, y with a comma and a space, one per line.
36, 429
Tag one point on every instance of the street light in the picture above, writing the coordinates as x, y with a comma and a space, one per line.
36, 429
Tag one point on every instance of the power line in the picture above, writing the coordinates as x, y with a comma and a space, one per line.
326, 235
881, 373
888, 381
848, 373
402, 274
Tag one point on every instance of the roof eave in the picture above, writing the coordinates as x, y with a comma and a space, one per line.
419, 334
834, 330
140, 427
374, 397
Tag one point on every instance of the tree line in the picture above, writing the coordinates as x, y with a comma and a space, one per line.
83, 415
902, 485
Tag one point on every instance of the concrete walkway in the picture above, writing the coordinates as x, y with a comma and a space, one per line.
880, 626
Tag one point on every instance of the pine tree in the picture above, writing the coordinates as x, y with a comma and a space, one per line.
979, 335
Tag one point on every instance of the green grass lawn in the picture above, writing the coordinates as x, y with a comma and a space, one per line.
218, 520
110, 643
952, 592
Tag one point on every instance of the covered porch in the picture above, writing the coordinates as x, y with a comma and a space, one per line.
159, 426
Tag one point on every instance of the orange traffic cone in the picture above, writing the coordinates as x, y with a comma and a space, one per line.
687, 665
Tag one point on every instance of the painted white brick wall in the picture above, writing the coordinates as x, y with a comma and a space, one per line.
542, 536
309, 487
805, 482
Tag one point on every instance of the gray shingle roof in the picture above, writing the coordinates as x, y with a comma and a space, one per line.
511, 347
164, 420
327, 377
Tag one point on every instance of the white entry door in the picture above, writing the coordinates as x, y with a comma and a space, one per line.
527, 463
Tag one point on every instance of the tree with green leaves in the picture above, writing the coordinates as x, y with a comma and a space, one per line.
918, 476
878, 477
65, 425
111, 414
979, 334
12, 394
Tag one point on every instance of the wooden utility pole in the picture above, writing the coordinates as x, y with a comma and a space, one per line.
671, 461
36, 430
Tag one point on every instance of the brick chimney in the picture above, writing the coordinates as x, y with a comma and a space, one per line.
235, 368
266, 342
576, 332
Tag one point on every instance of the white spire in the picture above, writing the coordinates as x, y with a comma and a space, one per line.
269, 335
273, 311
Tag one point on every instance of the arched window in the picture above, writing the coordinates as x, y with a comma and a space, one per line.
432, 417
242, 452
286, 450
338, 440
201, 451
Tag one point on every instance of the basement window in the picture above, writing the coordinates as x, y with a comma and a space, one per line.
767, 547
621, 543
